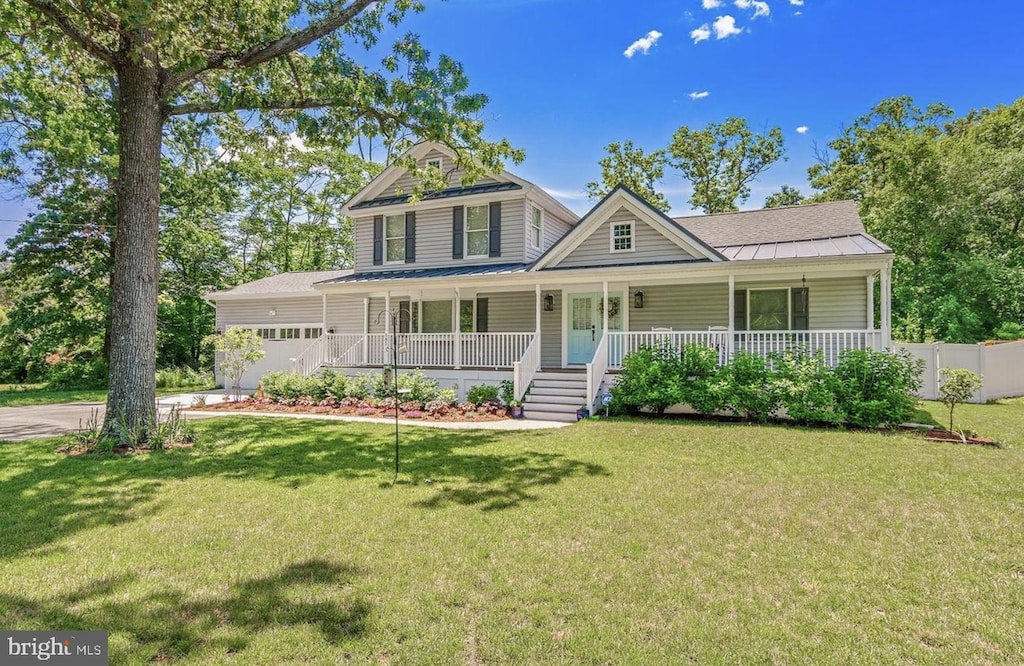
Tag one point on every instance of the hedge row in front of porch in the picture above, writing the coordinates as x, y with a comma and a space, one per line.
865, 388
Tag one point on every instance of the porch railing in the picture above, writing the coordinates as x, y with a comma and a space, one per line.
311, 358
830, 343
494, 350
484, 350
525, 368
597, 369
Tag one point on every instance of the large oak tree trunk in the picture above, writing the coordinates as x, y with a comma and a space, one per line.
131, 395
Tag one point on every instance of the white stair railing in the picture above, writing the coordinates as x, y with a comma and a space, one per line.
524, 370
311, 358
596, 370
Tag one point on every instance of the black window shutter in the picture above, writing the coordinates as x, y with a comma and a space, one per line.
458, 231
410, 238
801, 311
740, 310
481, 315
378, 240
495, 230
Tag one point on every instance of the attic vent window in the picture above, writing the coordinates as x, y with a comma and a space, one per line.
437, 163
622, 237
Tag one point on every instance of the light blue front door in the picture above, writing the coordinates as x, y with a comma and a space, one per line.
585, 324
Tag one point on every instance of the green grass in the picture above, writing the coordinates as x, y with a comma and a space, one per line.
282, 541
14, 395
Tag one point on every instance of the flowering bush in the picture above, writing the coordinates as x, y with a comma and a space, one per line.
410, 406
437, 407
329, 401
366, 411
387, 403
413, 414
349, 403
466, 407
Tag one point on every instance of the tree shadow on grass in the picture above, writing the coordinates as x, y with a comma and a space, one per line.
55, 497
169, 624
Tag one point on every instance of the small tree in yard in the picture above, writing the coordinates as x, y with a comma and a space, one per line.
241, 348
958, 385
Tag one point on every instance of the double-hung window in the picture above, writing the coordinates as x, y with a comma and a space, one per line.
535, 225
436, 317
768, 309
622, 237
478, 235
394, 239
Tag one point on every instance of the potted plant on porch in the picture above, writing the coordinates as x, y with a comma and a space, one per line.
507, 390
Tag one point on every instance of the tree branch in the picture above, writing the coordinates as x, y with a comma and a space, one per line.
66, 26
289, 43
242, 105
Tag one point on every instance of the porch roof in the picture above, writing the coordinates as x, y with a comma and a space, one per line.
421, 273
443, 194
831, 246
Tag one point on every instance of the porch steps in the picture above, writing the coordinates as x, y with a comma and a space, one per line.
555, 396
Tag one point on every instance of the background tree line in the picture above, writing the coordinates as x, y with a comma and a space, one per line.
945, 192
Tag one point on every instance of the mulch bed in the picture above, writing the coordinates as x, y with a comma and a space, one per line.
452, 415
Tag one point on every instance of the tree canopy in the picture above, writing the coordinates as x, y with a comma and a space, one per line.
639, 171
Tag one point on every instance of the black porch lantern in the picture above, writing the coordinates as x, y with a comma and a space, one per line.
549, 302
638, 300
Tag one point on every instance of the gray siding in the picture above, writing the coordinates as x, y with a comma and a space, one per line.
257, 311
553, 229
682, 307
510, 312
404, 183
434, 239
345, 313
649, 245
551, 333
838, 303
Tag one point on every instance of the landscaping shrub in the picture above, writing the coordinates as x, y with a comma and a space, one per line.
650, 378
749, 387
807, 388
507, 391
449, 395
696, 383
482, 393
183, 377
421, 388
68, 375
876, 387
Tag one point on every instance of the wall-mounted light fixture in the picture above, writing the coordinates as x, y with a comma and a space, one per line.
330, 331
638, 300
549, 302
273, 313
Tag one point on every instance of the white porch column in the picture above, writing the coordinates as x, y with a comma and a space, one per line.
457, 328
538, 309
606, 308
871, 302
887, 306
387, 312
324, 329
366, 330
731, 341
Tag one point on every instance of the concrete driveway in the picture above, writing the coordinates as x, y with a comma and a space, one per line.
36, 421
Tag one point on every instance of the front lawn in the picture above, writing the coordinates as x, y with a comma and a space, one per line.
15, 395
284, 541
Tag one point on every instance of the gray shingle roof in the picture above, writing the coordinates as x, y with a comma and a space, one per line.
776, 225
290, 283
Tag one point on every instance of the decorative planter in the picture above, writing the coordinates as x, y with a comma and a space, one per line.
582, 413
516, 412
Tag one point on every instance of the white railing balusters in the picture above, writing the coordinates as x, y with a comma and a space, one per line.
596, 370
524, 369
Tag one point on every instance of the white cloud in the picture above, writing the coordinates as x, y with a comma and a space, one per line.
725, 26
798, 13
699, 95
572, 195
700, 34
802, 129
711, 4
760, 7
798, 3
643, 44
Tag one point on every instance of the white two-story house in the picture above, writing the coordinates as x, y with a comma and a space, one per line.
499, 280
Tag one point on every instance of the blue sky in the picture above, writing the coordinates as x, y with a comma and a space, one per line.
561, 86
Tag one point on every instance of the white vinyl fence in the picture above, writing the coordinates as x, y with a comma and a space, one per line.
1000, 365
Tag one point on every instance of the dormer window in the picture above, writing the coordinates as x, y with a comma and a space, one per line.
394, 239
534, 228
622, 237
436, 162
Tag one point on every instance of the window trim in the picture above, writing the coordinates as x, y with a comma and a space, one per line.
534, 208
472, 315
423, 318
789, 307
387, 238
486, 230
632, 237
439, 161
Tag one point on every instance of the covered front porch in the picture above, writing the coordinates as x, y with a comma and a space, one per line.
514, 330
